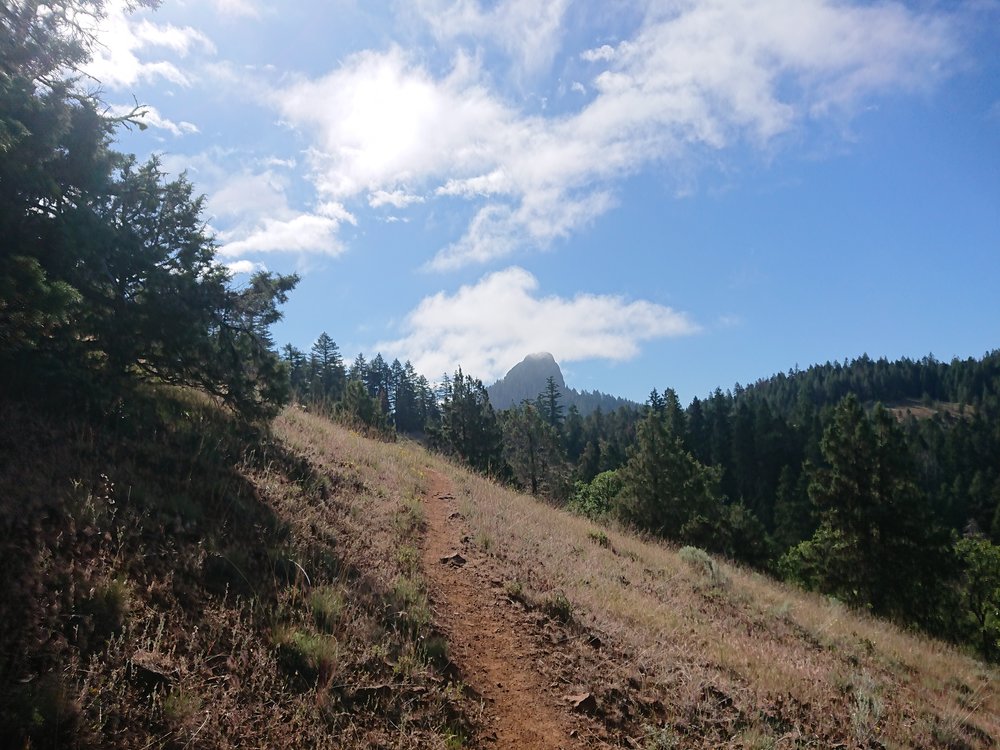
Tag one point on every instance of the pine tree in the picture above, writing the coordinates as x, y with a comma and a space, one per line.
107, 274
328, 377
552, 409
469, 427
533, 451
665, 489
877, 546
298, 370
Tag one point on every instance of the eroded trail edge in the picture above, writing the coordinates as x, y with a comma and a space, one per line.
487, 638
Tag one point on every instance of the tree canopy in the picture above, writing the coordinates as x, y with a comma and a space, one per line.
109, 275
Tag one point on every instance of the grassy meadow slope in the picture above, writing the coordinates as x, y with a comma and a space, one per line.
172, 579
695, 652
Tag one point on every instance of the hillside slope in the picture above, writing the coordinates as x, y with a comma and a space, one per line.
678, 650
173, 580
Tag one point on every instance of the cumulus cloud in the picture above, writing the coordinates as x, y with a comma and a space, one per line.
488, 326
245, 195
255, 209
379, 120
696, 74
119, 60
604, 52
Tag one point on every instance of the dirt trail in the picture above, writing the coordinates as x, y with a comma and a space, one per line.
488, 638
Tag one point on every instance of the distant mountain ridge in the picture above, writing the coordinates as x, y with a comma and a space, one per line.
528, 378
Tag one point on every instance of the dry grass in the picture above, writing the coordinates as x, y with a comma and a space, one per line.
734, 657
176, 582
272, 597
793, 666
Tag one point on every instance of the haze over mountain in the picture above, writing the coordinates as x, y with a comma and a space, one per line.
528, 378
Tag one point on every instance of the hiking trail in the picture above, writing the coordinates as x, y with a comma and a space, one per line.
488, 639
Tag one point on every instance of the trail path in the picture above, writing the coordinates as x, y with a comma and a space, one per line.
488, 639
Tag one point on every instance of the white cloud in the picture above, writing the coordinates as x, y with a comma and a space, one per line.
245, 266
305, 233
178, 39
395, 198
379, 120
121, 38
527, 30
487, 327
498, 231
334, 210
255, 207
604, 52
152, 117
246, 195
697, 74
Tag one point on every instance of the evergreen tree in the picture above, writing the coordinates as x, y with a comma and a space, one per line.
359, 409
533, 451
298, 370
328, 378
107, 274
358, 370
664, 488
573, 435
469, 427
877, 546
551, 408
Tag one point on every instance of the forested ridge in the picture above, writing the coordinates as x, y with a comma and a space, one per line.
875, 481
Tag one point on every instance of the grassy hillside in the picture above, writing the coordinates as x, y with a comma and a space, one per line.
696, 653
175, 580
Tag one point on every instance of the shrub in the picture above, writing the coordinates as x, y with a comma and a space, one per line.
702, 562
106, 608
599, 538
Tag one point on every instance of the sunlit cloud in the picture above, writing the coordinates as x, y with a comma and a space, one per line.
605, 52
305, 233
122, 57
237, 8
254, 208
487, 327
244, 267
395, 198
695, 75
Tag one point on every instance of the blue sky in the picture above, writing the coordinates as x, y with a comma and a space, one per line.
683, 193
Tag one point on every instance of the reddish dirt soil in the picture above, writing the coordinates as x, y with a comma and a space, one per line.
489, 641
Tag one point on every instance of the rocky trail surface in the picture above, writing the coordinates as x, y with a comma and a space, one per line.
489, 640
